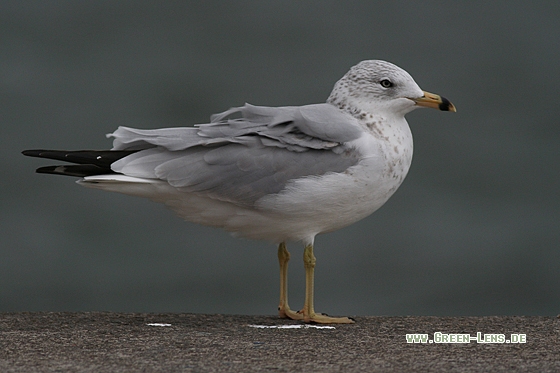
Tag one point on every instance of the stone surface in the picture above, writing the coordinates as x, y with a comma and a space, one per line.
117, 342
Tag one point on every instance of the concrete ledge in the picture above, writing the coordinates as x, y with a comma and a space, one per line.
117, 342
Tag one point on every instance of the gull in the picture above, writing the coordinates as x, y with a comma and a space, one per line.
272, 173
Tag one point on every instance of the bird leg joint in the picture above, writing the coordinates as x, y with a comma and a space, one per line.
308, 257
283, 254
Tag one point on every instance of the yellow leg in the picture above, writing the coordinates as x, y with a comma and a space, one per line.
309, 314
284, 310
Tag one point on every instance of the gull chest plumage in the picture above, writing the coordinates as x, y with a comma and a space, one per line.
277, 174
325, 203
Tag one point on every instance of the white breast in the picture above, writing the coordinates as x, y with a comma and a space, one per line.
313, 205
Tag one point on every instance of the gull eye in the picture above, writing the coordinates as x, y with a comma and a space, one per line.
386, 83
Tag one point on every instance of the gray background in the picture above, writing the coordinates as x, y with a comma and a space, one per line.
472, 231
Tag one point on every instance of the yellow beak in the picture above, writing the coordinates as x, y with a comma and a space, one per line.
434, 101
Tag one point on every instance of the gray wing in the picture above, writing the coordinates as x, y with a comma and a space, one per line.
243, 153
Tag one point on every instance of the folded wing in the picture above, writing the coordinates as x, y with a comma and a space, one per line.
242, 155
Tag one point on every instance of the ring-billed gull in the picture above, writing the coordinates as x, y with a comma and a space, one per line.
272, 173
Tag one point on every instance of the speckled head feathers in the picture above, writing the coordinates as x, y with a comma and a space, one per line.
374, 84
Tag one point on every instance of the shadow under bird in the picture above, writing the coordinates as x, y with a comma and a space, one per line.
272, 173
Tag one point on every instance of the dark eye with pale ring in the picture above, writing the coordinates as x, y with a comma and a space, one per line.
386, 83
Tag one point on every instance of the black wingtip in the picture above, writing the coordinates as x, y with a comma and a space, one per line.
74, 170
32, 152
49, 154
102, 158
88, 162
53, 170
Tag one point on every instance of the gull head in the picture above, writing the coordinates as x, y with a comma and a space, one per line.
376, 86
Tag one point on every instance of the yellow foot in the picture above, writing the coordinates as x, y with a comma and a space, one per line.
287, 313
320, 318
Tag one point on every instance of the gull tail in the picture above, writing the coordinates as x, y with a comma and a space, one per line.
87, 162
